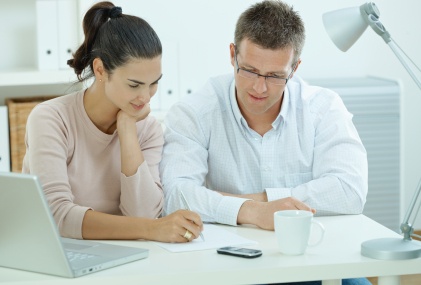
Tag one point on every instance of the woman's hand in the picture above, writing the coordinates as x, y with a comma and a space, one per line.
124, 119
144, 112
173, 228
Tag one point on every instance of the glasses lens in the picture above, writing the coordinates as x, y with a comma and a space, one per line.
276, 81
247, 74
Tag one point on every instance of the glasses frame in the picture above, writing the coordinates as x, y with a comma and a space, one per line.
260, 75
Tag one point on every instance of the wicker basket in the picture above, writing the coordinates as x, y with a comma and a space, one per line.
19, 109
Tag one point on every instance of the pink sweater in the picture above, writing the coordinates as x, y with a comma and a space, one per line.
79, 166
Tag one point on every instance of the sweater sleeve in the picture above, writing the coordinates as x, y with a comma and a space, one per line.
141, 193
47, 150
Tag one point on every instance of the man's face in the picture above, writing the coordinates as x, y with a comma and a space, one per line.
255, 96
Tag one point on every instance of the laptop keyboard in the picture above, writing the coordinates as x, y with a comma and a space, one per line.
74, 256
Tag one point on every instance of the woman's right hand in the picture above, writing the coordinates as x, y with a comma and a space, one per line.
173, 228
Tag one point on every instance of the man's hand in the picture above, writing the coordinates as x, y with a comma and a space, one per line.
261, 213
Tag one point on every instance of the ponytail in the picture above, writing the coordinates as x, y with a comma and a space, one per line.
113, 37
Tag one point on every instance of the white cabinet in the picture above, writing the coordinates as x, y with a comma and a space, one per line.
375, 104
19, 55
37, 39
57, 32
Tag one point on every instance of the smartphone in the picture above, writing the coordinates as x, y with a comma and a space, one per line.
239, 251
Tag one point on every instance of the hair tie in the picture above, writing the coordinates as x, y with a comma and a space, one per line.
115, 12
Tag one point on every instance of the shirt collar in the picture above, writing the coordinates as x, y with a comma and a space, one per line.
284, 109
234, 106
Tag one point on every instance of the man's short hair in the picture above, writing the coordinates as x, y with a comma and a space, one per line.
271, 24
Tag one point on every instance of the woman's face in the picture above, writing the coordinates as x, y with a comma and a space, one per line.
131, 86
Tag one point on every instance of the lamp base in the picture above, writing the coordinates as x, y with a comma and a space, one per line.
391, 248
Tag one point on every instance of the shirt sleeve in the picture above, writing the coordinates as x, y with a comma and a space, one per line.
46, 155
339, 181
184, 168
141, 193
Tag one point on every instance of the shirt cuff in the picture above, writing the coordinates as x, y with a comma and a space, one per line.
228, 209
131, 182
277, 193
71, 227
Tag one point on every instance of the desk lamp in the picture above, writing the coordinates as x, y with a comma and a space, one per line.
344, 27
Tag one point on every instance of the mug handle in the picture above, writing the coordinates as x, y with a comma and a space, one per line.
320, 225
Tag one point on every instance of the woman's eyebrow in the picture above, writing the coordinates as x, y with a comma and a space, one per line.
159, 78
142, 83
136, 81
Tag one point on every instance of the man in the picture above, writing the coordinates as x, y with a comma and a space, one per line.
262, 140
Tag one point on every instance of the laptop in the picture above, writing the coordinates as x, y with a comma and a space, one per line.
29, 238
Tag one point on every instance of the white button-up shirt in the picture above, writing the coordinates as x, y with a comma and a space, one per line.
313, 153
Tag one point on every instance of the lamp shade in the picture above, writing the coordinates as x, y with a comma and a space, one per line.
344, 26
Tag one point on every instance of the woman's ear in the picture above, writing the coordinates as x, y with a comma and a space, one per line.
98, 69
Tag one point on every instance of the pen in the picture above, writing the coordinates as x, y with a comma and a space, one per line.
186, 205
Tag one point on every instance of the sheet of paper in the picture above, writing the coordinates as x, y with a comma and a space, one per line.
215, 237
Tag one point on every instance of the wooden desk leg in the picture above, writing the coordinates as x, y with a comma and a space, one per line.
389, 280
333, 282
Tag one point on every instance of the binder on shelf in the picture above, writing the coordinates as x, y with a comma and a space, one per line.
47, 34
67, 16
4, 140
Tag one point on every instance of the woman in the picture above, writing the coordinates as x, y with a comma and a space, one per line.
96, 151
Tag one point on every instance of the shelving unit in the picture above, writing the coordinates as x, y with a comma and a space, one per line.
19, 74
25, 77
27, 83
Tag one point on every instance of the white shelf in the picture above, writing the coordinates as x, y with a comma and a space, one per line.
35, 77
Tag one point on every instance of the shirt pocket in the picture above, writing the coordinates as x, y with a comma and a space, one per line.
295, 179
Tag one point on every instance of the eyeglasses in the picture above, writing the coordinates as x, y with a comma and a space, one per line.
275, 80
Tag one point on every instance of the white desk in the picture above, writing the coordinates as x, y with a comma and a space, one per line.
338, 256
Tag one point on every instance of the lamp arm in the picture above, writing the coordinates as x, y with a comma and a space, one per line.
406, 227
371, 16
400, 54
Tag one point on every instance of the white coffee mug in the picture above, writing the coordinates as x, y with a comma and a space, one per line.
293, 228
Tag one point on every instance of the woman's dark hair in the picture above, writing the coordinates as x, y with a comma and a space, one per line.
113, 37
